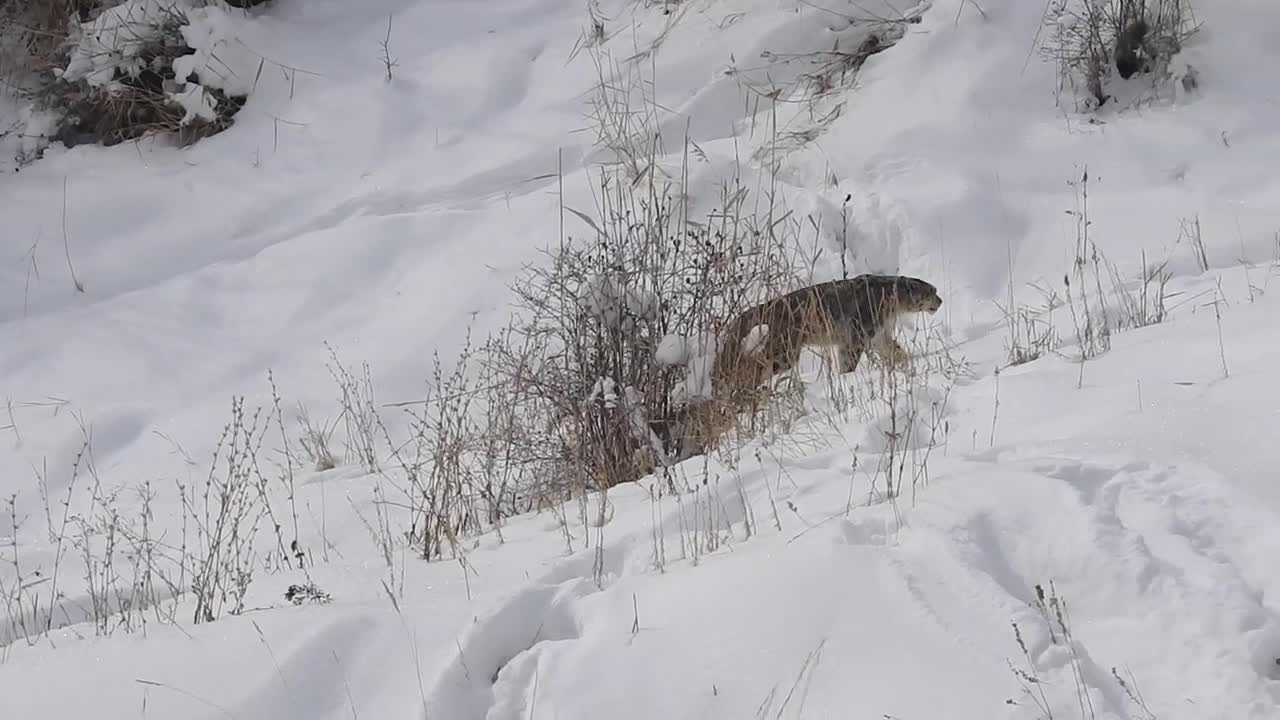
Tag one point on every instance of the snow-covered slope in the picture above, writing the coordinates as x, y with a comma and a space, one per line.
385, 218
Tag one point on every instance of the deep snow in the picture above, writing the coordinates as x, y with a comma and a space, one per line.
385, 218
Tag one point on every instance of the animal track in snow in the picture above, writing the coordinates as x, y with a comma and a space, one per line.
491, 676
1162, 531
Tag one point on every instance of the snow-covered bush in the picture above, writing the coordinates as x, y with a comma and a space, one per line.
127, 69
1094, 41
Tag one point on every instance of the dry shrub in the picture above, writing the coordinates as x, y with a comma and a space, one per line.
1090, 41
615, 335
449, 496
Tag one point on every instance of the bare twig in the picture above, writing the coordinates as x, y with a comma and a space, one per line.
387, 62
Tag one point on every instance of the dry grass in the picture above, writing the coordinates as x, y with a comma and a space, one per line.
234, 523
1100, 300
1054, 620
813, 84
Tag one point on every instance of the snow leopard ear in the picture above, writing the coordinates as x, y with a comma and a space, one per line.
907, 287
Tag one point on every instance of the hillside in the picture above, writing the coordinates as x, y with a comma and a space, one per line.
1086, 518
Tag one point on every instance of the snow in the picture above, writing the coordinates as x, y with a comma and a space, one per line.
221, 60
754, 340
196, 102
617, 302
388, 218
114, 40
697, 356
672, 350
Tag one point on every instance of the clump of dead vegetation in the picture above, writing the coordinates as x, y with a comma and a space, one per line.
111, 71
1094, 41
